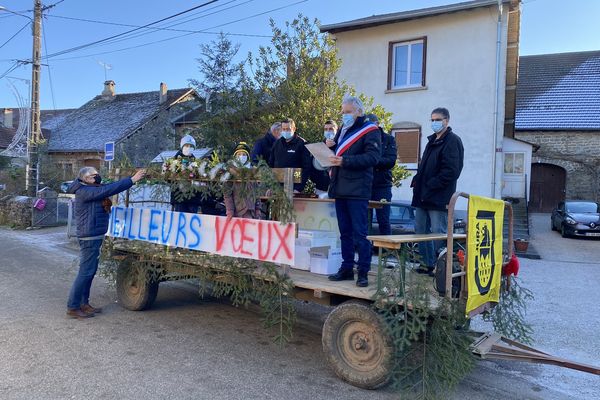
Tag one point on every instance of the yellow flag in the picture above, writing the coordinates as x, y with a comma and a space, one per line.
484, 252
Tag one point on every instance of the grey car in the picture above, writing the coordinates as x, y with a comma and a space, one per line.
576, 218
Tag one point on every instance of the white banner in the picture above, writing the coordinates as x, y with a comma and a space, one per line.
238, 237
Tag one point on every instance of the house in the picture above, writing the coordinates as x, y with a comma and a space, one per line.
558, 104
461, 56
140, 124
14, 123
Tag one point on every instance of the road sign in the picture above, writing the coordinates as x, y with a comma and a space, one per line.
109, 151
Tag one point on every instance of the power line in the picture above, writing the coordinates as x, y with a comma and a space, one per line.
12, 37
16, 65
130, 31
186, 34
155, 28
48, 64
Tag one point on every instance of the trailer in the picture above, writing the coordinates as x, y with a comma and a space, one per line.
356, 342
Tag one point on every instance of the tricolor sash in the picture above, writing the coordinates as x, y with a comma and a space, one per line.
369, 127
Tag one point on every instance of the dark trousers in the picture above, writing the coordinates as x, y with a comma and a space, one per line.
352, 221
383, 213
89, 252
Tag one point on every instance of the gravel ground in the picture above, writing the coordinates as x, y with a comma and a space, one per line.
191, 348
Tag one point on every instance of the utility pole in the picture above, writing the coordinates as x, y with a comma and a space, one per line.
35, 126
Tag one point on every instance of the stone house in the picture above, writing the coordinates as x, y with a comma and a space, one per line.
461, 56
141, 125
558, 104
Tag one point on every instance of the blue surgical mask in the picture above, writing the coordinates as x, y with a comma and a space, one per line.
437, 126
287, 135
329, 135
348, 119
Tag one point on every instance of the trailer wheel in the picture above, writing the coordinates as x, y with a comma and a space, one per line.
357, 346
136, 290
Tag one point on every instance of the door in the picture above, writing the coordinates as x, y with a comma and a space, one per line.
547, 187
514, 175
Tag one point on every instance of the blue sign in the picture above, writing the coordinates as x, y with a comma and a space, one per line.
109, 151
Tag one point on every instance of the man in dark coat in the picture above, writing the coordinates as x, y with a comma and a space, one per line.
92, 212
262, 147
382, 177
357, 147
434, 184
289, 151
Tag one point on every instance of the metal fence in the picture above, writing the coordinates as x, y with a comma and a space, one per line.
49, 209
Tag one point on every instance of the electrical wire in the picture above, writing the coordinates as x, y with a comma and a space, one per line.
13, 36
16, 65
130, 31
180, 36
48, 65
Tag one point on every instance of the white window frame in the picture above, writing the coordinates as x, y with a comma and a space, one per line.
408, 43
513, 154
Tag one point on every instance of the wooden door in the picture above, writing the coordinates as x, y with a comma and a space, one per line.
547, 187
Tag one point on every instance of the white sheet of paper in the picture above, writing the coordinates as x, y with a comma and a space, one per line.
321, 152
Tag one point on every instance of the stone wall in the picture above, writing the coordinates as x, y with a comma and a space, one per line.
578, 152
15, 211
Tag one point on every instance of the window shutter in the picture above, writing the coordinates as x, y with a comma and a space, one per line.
408, 144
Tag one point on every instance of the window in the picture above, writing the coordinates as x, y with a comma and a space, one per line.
408, 145
514, 163
67, 170
406, 64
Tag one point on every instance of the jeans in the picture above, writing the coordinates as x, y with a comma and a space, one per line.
383, 213
89, 252
352, 221
430, 221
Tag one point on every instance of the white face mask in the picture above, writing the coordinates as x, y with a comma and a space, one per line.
187, 150
243, 159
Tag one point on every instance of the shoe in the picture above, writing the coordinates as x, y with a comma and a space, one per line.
342, 276
78, 313
86, 308
362, 281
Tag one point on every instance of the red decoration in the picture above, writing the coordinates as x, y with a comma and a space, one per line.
511, 267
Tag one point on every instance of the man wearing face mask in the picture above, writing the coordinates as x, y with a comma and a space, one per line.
289, 152
357, 150
320, 175
434, 184
92, 212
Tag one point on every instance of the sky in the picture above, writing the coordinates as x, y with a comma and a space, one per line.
70, 80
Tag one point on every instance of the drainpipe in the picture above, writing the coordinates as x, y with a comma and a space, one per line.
496, 191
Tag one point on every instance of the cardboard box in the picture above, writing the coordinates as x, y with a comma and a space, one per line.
314, 238
302, 258
325, 260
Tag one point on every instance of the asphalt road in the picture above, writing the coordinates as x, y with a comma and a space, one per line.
191, 348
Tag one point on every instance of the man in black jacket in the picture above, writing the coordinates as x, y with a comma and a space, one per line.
382, 177
357, 147
434, 184
262, 147
289, 152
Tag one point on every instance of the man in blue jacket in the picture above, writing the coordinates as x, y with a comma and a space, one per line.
435, 183
92, 213
357, 147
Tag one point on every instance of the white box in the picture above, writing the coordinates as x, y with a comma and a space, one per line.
313, 238
325, 260
302, 258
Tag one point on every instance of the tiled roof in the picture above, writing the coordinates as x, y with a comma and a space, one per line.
100, 121
559, 92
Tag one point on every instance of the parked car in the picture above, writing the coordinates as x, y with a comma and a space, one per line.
402, 220
64, 186
576, 218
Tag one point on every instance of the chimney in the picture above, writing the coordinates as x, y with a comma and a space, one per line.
109, 90
162, 93
7, 118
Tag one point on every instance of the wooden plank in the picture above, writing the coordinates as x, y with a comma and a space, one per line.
396, 239
313, 296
